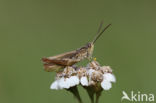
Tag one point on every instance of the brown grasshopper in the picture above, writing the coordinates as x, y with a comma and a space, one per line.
58, 62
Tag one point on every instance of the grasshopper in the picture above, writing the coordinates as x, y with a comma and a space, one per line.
58, 62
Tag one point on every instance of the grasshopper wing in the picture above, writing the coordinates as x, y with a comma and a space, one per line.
50, 67
65, 59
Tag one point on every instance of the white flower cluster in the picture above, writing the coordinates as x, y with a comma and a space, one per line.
91, 75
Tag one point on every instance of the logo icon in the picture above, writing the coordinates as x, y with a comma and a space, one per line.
125, 96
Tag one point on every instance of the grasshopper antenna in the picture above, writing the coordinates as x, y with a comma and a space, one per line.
100, 33
99, 29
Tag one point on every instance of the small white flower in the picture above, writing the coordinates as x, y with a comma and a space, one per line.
84, 81
106, 69
68, 83
54, 85
90, 71
94, 64
62, 83
97, 76
74, 80
106, 85
109, 77
65, 83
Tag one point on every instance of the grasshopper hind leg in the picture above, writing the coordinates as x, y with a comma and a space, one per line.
90, 59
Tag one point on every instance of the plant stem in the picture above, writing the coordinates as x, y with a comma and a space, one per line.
98, 94
75, 92
90, 92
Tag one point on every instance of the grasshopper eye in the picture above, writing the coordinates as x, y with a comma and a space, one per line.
89, 45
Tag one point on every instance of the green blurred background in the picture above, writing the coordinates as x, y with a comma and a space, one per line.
32, 29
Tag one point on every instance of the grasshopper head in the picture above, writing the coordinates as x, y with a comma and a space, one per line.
90, 48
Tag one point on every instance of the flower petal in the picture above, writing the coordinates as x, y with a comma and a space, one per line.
62, 84
67, 83
54, 85
84, 81
109, 77
106, 85
74, 80
90, 71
